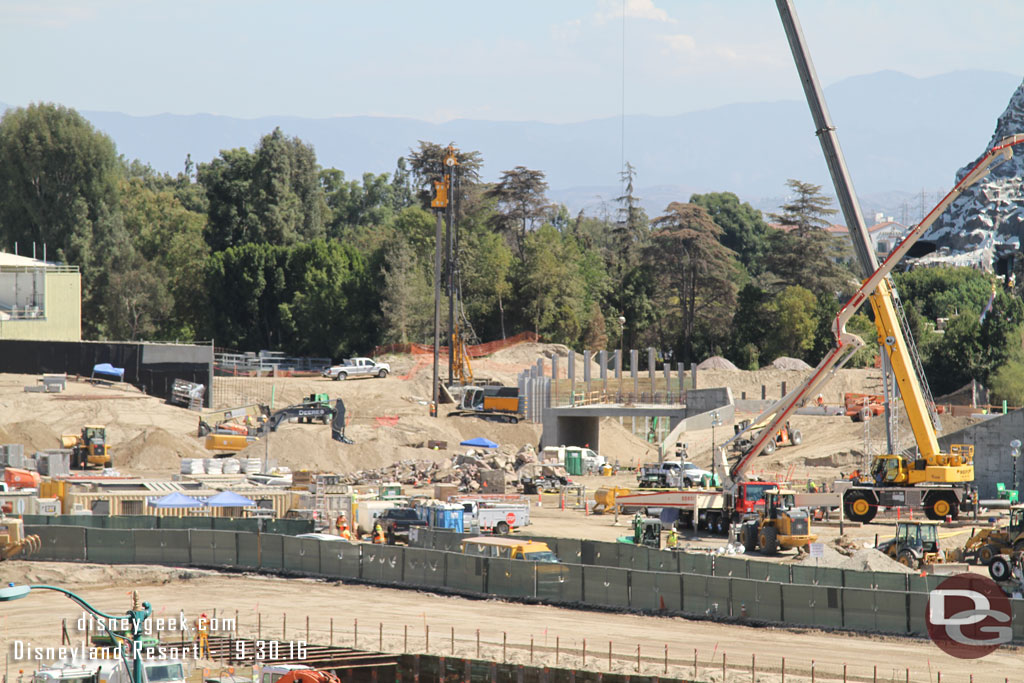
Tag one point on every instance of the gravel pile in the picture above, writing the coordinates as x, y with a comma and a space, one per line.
716, 363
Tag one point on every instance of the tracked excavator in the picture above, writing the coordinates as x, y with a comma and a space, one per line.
233, 442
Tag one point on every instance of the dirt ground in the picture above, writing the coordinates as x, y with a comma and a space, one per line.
388, 421
286, 604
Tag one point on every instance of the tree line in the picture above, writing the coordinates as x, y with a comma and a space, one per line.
264, 248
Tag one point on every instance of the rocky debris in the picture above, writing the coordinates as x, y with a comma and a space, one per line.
464, 470
845, 545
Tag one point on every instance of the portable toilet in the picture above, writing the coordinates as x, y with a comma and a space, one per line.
574, 461
448, 516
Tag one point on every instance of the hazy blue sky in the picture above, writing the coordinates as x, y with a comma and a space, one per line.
547, 60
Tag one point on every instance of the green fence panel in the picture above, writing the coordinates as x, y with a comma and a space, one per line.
425, 567
916, 612
599, 553
511, 578
1018, 619
859, 609
569, 550
271, 551
695, 593
91, 521
37, 520
249, 547
289, 527
247, 524
421, 537
109, 546
768, 571
382, 563
213, 548
449, 541
719, 595
132, 522
730, 566
340, 559
183, 523
891, 581
695, 563
890, 611
769, 601
663, 561
302, 555
465, 572
655, 592
66, 543
857, 579
633, 556
162, 546
743, 598
812, 575
560, 582
798, 604
606, 586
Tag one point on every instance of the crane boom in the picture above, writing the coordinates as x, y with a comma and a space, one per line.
875, 289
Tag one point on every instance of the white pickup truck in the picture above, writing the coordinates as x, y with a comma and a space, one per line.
357, 367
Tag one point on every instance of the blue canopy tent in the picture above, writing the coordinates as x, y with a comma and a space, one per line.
479, 442
175, 500
229, 499
108, 370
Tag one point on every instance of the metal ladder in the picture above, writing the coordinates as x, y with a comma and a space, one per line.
322, 521
915, 357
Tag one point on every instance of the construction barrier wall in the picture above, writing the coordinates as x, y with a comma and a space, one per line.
728, 587
289, 527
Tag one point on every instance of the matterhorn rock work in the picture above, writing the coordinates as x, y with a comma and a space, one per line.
991, 212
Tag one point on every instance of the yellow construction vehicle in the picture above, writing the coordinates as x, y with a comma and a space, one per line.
780, 524
88, 448
786, 436
14, 542
915, 544
985, 545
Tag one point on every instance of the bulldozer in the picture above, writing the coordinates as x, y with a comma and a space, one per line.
88, 448
786, 436
780, 524
985, 545
14, 542
915, 544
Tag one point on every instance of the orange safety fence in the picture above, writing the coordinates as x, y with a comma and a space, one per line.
386, 420
475, 351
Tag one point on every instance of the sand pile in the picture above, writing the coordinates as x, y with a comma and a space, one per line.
864, 559
867, 380
787, 363
716, 363
32, 434
156, 449
619, 445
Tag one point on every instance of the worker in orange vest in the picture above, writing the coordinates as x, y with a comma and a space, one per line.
203, 635
342, 525
378, 533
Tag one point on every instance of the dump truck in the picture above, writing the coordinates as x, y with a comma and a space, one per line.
88, 448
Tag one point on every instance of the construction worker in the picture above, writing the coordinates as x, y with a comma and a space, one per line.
378, 533
811, 486
203, 635
342, 525
673, 538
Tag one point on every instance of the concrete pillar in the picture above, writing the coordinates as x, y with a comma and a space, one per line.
682, 381
667, 368
586, 369
693, 374
554, 377
651, 372
602, 360
634, 361
572, 377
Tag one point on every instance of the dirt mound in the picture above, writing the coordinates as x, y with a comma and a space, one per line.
32, 434
156, 449
527, 353
871, 560
840, 459
619, 445
716, 363
787, 363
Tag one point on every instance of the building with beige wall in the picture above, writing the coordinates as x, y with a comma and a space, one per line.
39, 300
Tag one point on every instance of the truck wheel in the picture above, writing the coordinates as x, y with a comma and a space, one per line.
999, 569
501, 528
987, 553
859, 508
768, 540
939, 507
769, 447
341, 375
383, 373
688, 483
907, 558
796, 438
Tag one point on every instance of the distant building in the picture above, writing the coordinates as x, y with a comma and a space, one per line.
885, 235
39, 300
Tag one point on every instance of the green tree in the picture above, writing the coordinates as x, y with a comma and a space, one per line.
794, 322
632, 228
744, 229
408, 301
694, 277
246, 286
945, 291
550, 287
486, 286
807, 210
426, 165
521, 203
807, 261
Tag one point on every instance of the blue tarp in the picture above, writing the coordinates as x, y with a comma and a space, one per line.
479, 442
175, 500
229, 499
107, 369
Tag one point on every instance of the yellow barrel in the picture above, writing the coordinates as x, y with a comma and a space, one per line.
606, 470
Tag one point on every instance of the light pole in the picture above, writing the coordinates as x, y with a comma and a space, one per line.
622, 342
1015, 453
715, 422
136, 617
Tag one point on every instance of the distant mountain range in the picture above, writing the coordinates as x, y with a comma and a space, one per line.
900, 135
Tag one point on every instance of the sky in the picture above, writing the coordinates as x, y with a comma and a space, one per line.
540, 60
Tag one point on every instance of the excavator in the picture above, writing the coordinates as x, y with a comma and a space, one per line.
14, 542
232, 442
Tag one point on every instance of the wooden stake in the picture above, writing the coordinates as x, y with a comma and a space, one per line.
558, 644
584, 652
259, 626
723, 667
426, 628
355, 633
609, 654
504, 645
478, 643
284, 626
753, 668
783, 670
331, 642
381, 628
307, 628
405, 642
453, 640
666, 658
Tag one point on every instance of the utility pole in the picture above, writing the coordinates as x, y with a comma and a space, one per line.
438, 203
450, 162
